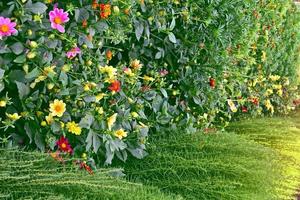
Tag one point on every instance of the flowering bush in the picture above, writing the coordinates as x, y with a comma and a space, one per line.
91, 77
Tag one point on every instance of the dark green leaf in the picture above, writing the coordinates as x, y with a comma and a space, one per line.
23, 89
17, 48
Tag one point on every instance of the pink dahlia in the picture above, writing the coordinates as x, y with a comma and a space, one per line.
57, 18
73, 52
7, 28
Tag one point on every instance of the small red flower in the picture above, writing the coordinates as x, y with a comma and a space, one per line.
163, 72
212, 83
64, 145
115, 86
145, 88
105, 10
244, 109
83, 165
84, 23
255, 101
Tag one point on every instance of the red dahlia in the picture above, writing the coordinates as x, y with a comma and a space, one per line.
64, 145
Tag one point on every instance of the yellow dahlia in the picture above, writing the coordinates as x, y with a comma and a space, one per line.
74, 128
14, 116
120, 134
57, 108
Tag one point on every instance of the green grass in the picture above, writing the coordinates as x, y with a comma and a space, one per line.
218, 166
261, 161
36, 176
282, 134
257, 159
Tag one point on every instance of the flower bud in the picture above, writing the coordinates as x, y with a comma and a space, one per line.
116, 9
29, 32
2, 103
26, 68
31, 55
33, 44
50, 86
43, 123
134, 114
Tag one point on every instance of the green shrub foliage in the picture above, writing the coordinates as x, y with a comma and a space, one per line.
102, 73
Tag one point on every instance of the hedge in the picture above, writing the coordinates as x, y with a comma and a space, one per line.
93, 77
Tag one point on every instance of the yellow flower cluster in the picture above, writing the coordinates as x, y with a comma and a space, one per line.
110, 71
74, 128
120, 134
269, 106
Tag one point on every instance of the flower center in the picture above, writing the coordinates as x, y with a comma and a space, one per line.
63, 145
58, 108
57, 20
4, 28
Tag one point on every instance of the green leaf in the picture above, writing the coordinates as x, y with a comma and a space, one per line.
172, 38
2, 71
138, 153
63, 78
164, 92
89, 140
81, 14
28, 131
96, 142
2, 86
39, 141
23, 89
17, 48
173, 23
20, 59
87, 121
139, 29
33, 74
36, 8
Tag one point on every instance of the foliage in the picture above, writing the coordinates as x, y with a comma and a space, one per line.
35, 176
103, 73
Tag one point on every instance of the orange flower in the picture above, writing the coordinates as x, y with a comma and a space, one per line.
105, 10
115, 86
84, 23
109, 55
95, 4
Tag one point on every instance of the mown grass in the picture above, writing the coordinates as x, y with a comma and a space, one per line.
259, 161
218, 166
36, 176
255, 159
281, 134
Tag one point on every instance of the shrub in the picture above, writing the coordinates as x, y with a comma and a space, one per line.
102, 74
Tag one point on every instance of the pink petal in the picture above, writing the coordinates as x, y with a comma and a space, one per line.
52, 14
60, 28
53, 25
12, 24
6, 20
